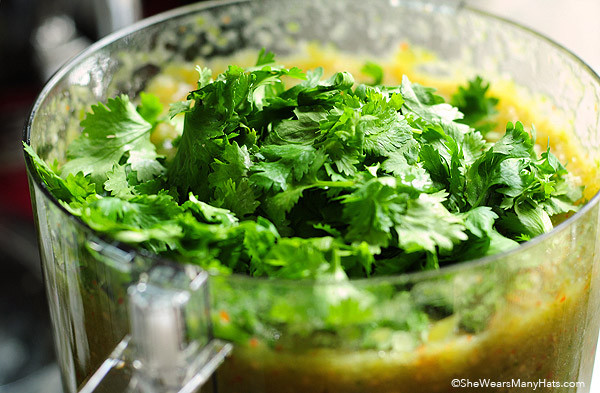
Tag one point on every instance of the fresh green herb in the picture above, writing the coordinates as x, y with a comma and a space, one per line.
326, 180
110, 133
477, 105
325, 166
375, 71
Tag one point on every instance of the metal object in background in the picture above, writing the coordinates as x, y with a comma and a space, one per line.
111, 15
54, 41
64, 32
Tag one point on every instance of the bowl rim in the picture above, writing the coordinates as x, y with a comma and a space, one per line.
183, 11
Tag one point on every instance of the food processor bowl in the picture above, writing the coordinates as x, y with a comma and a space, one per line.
529, 314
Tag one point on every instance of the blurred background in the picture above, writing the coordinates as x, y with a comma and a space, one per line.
36, 37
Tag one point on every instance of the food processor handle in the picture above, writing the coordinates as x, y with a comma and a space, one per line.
163, 354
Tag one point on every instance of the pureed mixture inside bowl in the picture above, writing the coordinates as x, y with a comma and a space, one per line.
495, 321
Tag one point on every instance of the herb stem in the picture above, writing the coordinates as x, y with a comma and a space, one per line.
336, 184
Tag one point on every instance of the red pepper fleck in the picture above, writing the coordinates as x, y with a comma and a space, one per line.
253, 342
120, 300
224, 316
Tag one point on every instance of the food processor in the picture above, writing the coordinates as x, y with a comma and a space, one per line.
127, 320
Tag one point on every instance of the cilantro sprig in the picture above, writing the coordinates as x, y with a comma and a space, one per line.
479, 108
327, 178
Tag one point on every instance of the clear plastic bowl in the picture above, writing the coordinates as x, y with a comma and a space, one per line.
542, 298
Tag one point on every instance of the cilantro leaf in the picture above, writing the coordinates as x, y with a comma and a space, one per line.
373, 70
292, 161
72, 188
179, 107
296, 258
422, 102
478, 107
233, 164
369, 180
265, 57
278, 205
368, 210
146, 219
210, 213
150, 107
428, 225
384, 129
238, 197
324, 180
117, 183
109, 132
487, 172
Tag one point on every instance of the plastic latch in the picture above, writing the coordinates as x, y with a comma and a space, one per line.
170, 348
